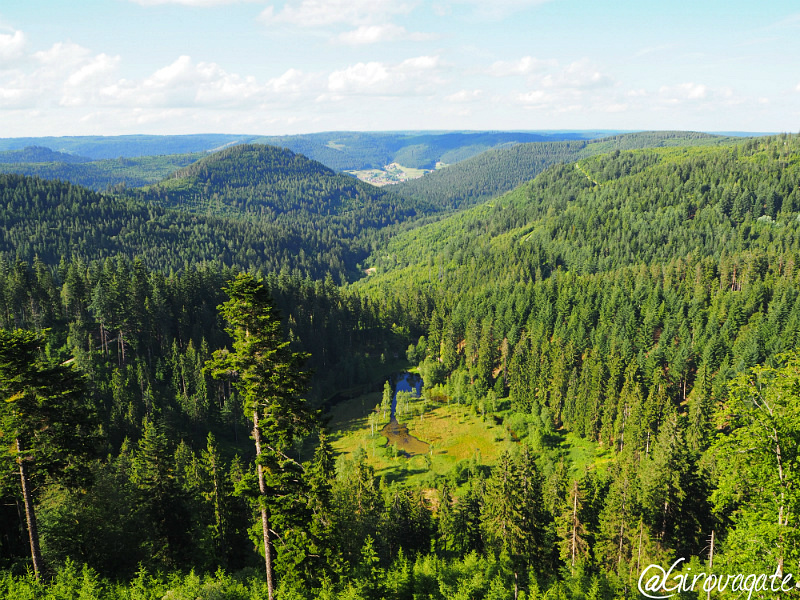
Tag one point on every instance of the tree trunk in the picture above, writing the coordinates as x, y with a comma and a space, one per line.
710, 561
574, 526
262, 486
30, 514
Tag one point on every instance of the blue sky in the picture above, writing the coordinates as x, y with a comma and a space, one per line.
107, 67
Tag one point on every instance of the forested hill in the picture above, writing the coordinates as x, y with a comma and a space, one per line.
39, 154
273, 183
337, 217
249, 206
496, 171
55, 220
98, 175
677, 264
618, 209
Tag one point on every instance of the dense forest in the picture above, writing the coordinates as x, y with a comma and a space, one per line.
645, 303
494, 172
249, 206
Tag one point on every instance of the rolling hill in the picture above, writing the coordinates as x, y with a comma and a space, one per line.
252, 206
499, 170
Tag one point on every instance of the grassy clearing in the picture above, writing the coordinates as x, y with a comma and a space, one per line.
452, 432
455, 433
585, 455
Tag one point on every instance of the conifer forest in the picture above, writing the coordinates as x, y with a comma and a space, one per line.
558, 368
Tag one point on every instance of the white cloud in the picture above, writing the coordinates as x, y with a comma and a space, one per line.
701, 96
524, 66
797, 87
16, 96
464, 96
97, 68
412, 76
420, 63
179, 73
578, 75
494, 10
185, 2
359, 77
82, 85
185, 83
683, 92
536, 99
69, 76
321, 13
616, 107
64, 74
567, 89
62, 54
372, 34
292, 81
12, 46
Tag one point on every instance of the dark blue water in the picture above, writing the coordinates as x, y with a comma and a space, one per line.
397, 433
405, 382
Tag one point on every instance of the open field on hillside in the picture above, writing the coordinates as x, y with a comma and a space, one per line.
445, 435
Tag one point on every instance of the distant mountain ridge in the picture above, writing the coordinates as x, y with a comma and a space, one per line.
338, 150
346, 151
500, 170
136, 161
40, 154
126, 146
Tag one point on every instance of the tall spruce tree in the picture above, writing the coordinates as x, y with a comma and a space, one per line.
269, 377
45, 418
757, 465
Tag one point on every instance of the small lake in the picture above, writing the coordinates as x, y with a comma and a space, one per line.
396, 432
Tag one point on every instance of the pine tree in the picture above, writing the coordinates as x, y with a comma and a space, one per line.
46, 418
757, 463
573, 545
270, 379
216, 492
153, 472
386, 400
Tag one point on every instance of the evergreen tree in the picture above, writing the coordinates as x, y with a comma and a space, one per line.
757, 463
270, 379
49, 424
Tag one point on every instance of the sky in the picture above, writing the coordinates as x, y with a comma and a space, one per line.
111, 67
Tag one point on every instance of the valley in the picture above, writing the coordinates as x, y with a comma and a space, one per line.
557, 368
